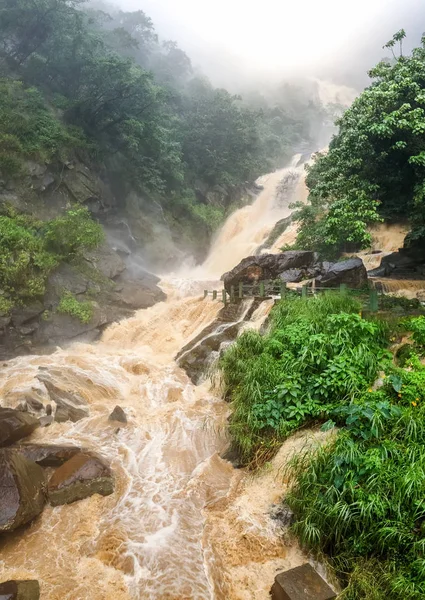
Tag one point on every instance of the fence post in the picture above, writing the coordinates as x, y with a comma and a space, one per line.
214, 294
240, 290
373, 300
304, 291
232, 293
343, 288
224, 296
262, 292
283, 289
205, 293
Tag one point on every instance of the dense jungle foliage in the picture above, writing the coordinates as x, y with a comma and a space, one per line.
375, 167
359, 498
106, 85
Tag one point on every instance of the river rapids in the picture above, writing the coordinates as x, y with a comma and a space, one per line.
182, 523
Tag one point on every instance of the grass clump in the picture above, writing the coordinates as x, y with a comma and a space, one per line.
318, 354
69, 305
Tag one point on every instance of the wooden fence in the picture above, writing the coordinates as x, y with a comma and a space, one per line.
279, 289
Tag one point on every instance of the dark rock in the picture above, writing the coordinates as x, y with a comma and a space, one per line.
301, 583
70, 405
118, 414
45, 421
135, 294
80, 477
351, 272
107, 261
15, 425
233, 457
45, 455
267, 267
20, 590
22, 490
283, 514
48, 409
34, 404
22, 315
292, 276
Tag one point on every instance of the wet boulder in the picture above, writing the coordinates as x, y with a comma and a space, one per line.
15, 425
46, 455
20, 590
118, 414
22, 490
71, 406
265, 267
301, 583
78, 478
352, 272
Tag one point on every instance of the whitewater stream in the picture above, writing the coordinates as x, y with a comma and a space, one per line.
182, 523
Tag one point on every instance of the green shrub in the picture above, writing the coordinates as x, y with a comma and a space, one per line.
73, 232
29, 250
29, 129
318, 353
69, 305
417, 325
360, 498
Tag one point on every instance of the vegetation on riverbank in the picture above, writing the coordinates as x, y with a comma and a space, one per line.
359, 499
374, 169
30, 249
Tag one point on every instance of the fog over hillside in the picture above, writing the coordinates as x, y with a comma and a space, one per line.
236, 42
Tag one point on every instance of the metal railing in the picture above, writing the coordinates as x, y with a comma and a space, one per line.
279, 289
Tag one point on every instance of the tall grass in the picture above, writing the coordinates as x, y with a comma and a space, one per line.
317, 352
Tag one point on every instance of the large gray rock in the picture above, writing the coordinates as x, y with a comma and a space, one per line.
20, 590
80, 477
22, 490
352, 272
47, 455
269, 267
301, 583
106, 260
71, 406
15, 425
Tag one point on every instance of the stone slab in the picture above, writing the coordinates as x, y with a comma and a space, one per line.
301, 583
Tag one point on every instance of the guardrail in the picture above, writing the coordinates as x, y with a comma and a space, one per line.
279, 289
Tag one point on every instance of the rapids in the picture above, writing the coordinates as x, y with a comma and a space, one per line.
182, 523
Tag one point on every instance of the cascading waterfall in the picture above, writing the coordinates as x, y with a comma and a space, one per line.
156, 537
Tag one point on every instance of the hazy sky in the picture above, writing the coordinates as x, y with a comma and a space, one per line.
280, 34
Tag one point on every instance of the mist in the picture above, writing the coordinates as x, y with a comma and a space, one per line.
237, 44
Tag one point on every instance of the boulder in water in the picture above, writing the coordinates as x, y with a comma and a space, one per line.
15, 425
71, 406
301, 583
22, 490
20, 590
78, 478
352, 272
118, 414
46, 455
269, 267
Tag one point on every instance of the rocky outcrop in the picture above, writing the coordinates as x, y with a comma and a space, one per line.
78, 478
352, 272
201, 352
20, 590
119, 415
293, 267
47, 455
22, 490
301, 583
15, 425
70, 405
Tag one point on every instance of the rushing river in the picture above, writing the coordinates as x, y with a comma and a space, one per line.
182, 523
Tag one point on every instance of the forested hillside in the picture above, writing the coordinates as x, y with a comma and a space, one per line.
97, 83
375, 167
